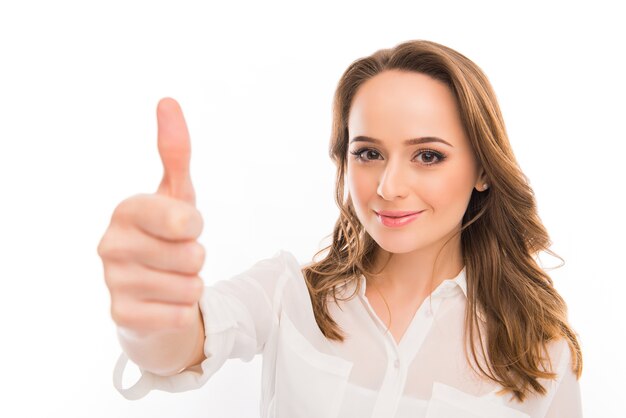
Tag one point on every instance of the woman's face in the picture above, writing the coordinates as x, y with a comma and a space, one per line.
432, 177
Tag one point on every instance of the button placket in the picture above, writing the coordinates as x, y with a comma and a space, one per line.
392, 386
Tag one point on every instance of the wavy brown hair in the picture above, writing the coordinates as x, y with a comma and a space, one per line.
500, 235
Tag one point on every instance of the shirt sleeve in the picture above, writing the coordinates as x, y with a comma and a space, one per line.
567, 400
238, 314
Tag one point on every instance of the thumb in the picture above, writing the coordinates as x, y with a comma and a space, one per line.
175, 150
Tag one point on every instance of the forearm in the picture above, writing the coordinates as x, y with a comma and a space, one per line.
168, 353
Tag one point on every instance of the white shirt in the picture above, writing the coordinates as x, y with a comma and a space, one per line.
266, 310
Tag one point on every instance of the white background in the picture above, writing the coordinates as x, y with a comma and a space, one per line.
79, 84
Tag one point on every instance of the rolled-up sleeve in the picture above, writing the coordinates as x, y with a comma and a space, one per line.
238, 316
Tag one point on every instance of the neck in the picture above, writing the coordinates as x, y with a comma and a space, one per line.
415, 273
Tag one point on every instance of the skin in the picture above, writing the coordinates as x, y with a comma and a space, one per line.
151, 258
394, 106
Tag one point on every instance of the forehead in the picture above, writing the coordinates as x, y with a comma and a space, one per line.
398, 105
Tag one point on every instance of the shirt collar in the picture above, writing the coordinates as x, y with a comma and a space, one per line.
461, 281
445, 288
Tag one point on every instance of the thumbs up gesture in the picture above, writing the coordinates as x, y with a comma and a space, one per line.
149, 251
175, 150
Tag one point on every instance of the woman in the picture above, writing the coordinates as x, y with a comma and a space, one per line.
429, 301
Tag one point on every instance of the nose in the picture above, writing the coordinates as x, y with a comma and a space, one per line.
393, 183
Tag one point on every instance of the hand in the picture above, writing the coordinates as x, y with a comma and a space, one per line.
149, 251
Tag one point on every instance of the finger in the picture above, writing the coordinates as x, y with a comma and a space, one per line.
175, 150
143, 318
178, 257
161, 217
150, 285
182, 257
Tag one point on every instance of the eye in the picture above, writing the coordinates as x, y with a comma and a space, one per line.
358, 154
429, 157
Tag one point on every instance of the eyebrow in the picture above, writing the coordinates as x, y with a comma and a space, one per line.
412, 141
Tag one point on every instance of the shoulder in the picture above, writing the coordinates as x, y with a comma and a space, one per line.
270, 275
285, 269
563, 397
279, 261
559, 359
279, 268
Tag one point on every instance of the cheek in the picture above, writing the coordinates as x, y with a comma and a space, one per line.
449, 191
360, 186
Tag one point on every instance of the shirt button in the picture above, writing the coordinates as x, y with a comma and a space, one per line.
396, 363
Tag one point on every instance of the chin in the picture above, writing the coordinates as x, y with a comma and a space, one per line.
396, 245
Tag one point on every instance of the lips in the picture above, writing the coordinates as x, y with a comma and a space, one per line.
397, 213
397, 221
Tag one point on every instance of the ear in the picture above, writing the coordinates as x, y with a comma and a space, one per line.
482, 183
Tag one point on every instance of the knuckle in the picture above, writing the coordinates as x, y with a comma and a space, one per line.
117, 282
103, 246
177, 222
193, 290
110, 278
113, 277
198, 288
200, 222
127, 208
196, 223
196, 259
114, 245
119, 315
108, 247
100, 245
123, 209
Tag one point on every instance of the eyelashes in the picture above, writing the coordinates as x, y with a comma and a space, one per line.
428, 153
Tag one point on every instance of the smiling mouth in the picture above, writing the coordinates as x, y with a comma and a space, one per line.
396, 214
397, 221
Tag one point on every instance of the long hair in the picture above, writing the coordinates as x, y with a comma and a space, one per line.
501, 231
